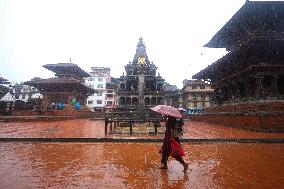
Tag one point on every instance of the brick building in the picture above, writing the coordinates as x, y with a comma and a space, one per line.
196, 94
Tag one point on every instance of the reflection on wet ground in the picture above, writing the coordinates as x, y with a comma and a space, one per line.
135, 165
91, 128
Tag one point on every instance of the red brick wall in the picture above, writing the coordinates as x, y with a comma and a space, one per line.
248, 107
68, 110
260, 116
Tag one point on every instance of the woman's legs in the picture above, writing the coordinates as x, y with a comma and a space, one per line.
164, 161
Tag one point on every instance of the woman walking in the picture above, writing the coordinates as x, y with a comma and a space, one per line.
171, 145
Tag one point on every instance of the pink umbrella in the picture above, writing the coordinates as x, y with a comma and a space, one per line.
167, 110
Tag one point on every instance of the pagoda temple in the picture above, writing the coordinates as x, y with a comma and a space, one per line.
67, 84
141, 87
248, 81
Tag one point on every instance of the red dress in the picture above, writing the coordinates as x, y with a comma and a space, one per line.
171, 148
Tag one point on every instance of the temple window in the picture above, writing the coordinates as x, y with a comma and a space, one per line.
109, 103
99, 102
153, 87
147, 100
121, 101
90, 102
100, 79
160, 101
159, 87
153, 101
122, 86
134, 101
128, 101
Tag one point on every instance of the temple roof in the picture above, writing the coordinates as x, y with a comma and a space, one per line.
53, 80
59, 84
67, 69
252, 18
242, 58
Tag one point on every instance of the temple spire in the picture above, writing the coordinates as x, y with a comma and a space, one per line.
70, 61
141, 43
140, 52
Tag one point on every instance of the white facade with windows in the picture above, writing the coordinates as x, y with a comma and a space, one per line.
100, 76
24, 92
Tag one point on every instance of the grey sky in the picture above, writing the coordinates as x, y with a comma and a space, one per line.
105, 33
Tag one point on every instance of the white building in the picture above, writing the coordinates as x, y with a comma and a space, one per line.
100, 76
24, 92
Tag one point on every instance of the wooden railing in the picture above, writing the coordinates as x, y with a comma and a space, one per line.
131, 117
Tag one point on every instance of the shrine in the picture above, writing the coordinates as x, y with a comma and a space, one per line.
141, 86
138, 90
248, 81
67, 85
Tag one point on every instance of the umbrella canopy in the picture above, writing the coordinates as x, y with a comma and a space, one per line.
167, 110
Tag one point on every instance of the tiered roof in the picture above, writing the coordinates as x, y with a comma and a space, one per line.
256, 28
70, 78
67, 69
253, 19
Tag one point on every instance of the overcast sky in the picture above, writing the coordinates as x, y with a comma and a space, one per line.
106, 32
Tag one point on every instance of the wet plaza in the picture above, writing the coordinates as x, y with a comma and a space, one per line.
135, 165
95, 128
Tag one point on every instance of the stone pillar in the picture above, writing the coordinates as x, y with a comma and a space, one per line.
274, 87
237, 91
247, 85
141, 88
258, 79
131, 127
106, 123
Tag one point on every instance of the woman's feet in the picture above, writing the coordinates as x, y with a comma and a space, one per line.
185, 167
163, 166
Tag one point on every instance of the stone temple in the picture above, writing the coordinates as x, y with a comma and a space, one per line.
68, 84
141, 87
